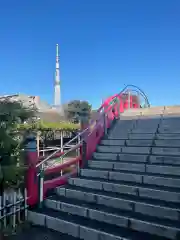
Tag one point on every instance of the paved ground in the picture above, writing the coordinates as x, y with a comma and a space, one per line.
38, 233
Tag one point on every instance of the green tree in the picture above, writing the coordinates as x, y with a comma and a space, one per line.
76, 109
11, 114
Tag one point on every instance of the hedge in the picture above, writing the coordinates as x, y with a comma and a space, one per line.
50, 125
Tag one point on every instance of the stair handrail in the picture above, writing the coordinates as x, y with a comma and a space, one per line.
61, 148
92, 121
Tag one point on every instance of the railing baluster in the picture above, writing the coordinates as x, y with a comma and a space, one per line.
118, 107
78, 149
84, 153
25, 204
41, 184
4, 209
14, 210
19, 206
105, 124
12, 206
10, 209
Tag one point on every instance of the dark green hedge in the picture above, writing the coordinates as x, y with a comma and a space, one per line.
50, 125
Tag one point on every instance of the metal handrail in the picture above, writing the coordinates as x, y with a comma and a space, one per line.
49, 149
61, 148
129, 86
146, 100
140, 90
65, 153
85, 130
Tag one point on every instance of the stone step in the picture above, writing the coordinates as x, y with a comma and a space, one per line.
136, 190
146, 125
166, 151
172, 160
112, 176
148, 121
120, 157
148, 179
110, 165
80, 228
152, 114
144, 130
169, 130
113, 142
125, 121
98, 155
151, 117
168, 136
126, 204
166, 170
141, 136
129, 118
118, 136
132, 158
121, 129
136, 150
162, 181
134, 115
109, 149
156, 108
136, 167
108, 216
143, 143
167, 143
87, 211
124, 126
173, 124
159, 159
171, 120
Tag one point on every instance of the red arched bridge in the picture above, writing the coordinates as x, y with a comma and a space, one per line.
125, 182
37, 187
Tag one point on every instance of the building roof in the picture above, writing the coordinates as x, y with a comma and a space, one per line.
45, 111
27, 101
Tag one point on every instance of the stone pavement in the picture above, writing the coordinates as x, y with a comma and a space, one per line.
39, 233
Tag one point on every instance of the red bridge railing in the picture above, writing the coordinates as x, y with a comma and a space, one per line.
89, 138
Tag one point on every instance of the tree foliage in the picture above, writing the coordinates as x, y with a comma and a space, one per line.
76, 109
11, 114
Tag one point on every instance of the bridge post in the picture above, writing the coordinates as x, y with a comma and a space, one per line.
41, 185
129, 99
84, 153
31, 178
105, 123
118, 107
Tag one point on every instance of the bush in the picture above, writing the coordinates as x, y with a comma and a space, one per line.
67, 126
11, 163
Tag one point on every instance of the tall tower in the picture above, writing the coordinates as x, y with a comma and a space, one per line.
57, 90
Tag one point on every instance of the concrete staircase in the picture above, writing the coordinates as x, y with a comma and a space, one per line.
131, 187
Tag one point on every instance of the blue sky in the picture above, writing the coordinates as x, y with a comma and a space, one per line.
104, 45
